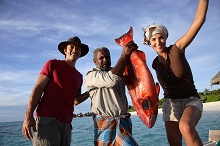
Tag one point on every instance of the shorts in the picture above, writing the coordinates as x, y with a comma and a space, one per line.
51, 131
173, 108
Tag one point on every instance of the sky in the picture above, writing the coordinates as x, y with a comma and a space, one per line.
30, 31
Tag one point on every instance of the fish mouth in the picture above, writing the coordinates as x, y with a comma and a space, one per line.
152, 121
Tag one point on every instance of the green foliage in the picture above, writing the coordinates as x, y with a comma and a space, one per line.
131, 108
207, 92
161, 103
210, 96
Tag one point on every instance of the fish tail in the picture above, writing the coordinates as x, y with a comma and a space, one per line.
125, 38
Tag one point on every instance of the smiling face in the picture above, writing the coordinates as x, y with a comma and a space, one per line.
103, 60
158, 42
72, 52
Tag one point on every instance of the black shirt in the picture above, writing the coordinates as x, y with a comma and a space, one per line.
176, 79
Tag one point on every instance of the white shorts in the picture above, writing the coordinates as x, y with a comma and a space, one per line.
173, 108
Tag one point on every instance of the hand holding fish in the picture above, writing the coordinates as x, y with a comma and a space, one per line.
129, 47
126, 53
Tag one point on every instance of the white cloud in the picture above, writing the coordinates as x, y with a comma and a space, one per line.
31, 30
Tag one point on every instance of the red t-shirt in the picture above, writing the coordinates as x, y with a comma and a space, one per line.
59, 95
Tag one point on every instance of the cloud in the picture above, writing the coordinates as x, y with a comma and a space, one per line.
31, 30
16, 86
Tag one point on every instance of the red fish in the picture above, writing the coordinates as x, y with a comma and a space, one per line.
140, 83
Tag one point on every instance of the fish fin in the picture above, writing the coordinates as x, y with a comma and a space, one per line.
157, 88
125, 38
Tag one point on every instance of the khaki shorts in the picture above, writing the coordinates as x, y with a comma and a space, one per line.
173, 108
51, 132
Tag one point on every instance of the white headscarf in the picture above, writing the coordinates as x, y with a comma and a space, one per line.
152, 30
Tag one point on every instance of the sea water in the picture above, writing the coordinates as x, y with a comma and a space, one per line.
82, 134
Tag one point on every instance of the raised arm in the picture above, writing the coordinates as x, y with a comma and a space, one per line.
200, 17
122, 62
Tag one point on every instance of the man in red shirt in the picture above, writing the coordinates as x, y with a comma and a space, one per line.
57, 90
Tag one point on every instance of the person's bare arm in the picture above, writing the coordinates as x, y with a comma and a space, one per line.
199, 20
119, 68
82, 97
34, 100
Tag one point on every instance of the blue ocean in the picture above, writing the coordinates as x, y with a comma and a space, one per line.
82, 134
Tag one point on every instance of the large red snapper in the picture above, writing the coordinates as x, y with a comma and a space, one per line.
140, 83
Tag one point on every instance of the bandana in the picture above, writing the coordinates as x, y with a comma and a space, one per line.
152, 30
